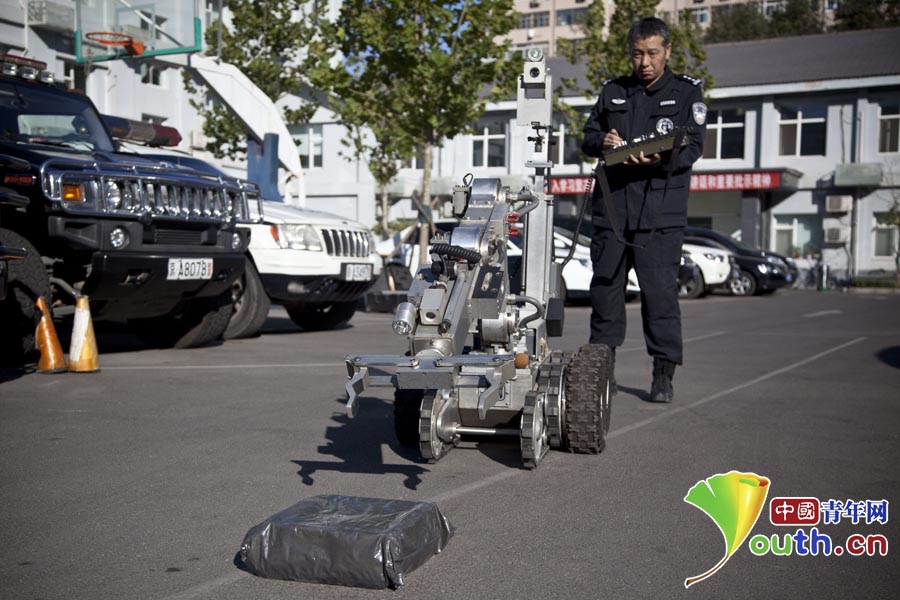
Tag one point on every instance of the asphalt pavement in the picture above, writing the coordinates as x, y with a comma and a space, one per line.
141, 480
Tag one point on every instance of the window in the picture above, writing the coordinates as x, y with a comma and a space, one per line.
724, 134
885, 238
489, 143
700, 15
417, 161
211, 12
568, 143
535, 19
151, 74
798, 235
151, 25
831, 4
571, 16
74, 76
770, 7
802, 130
309, 143
889, 127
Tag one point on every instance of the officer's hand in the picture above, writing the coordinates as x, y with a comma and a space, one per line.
612, 139
644, 160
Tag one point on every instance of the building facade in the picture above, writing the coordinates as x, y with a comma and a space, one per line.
801, 155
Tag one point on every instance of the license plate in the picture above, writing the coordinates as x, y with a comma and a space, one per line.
355, 272
190, 268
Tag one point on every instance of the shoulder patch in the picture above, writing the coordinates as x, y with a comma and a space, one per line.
689, 79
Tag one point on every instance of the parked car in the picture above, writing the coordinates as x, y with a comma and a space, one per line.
315, 264
716, 268
761, 271
690, 278
576, 275
156, 246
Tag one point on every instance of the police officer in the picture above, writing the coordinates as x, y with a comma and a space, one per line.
647, 198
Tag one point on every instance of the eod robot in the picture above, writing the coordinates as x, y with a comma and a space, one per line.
479, 361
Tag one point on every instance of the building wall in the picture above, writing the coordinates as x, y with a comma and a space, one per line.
346, 187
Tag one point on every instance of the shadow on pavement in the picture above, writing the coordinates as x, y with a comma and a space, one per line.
358, 443
890, 356
639, 393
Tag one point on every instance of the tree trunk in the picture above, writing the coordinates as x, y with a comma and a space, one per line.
425, 230
385, 207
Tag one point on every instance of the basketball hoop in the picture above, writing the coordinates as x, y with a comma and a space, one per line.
116, 39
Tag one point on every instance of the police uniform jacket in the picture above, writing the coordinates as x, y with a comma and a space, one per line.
632, 110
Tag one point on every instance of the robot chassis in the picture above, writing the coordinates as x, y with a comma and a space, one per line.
479, 362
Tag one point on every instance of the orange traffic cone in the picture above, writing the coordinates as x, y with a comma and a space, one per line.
83, 356
52, 359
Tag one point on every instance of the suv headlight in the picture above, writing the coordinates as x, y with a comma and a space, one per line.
777, 262
714, 257
299, 237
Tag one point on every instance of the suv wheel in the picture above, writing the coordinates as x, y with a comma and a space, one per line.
200, 322
251, 305
27, 279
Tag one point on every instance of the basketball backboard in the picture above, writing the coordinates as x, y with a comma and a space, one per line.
140, 28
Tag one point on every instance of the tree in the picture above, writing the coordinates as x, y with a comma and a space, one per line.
737, 22
795, 17
607, 56
892, 218
265, 40
866, 14
382, 149
421, 70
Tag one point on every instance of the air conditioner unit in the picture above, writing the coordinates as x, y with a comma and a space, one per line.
534, 4
53, 16
837, 235
838, 204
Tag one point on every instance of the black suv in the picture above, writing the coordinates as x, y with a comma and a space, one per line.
762, 271
157, 246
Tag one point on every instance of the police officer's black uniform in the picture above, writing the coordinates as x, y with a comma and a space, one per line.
650, 204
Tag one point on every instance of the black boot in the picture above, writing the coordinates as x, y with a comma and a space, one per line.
613, 388
661, 388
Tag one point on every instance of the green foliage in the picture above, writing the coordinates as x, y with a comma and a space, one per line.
795, 17
265, 40
737, 22
413, 72
866, 14
416, 66
608, 57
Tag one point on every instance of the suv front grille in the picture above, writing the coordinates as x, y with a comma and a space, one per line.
346, 242
178, 237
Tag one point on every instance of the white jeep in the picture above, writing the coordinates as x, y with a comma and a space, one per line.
316, 264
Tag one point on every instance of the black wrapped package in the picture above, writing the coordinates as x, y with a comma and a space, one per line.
345, 540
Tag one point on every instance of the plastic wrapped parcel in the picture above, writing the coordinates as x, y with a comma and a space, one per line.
345, 540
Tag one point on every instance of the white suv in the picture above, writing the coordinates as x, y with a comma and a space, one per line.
316, 264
